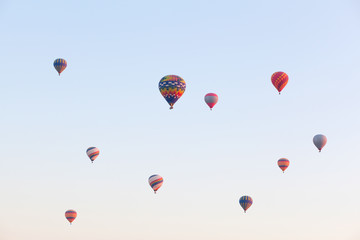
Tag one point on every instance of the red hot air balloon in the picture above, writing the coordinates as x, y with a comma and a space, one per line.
211, 99
283, 163
279, 80
70, 215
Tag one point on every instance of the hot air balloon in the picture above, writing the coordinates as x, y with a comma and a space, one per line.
279, 80
211, 99
245, 202
172, 87
70, 215
283, 163
319, 141
60, 65
156, 181
93, 153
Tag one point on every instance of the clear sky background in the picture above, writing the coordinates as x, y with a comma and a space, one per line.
108, 97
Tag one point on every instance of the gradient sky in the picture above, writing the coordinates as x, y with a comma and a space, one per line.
108, 97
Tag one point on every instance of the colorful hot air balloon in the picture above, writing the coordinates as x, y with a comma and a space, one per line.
279, 80
172, 87
70, 215
283, 163
211, 99
319, 141
245, 202
93, 153
60, 65
156, 181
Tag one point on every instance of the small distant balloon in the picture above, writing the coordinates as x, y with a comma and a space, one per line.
279, 80
283, 163
93, 153
60, 65
319, 141
70, 215
172, 87
245, 202
156, 181
211, 99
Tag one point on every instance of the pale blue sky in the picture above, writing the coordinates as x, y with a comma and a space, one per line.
108, 97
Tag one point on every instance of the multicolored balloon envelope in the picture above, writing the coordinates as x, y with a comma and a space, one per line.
156, 181
70, 215
93, 153
283, 163
279, 80
60, 65
172, 87
211, 99
245, 202
319, 141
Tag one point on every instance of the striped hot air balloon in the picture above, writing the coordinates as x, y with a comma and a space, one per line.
279, 80
211, 99
172, 87
93, 153
60, 65
245, 202
320, 141
70, 215
283, 163
156, 181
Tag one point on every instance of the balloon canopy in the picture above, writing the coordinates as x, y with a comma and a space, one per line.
283, 163
60, 65
70, 215
172, 87
245, 202
155, 181
211, 99
93, 153
279, 80
320, 141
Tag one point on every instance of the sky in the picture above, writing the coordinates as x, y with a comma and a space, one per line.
108, 97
